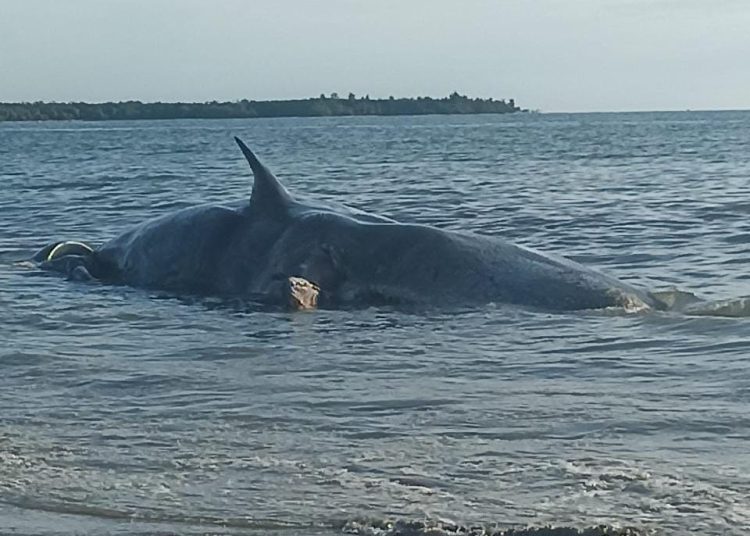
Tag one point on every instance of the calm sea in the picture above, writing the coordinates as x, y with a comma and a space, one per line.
129, 411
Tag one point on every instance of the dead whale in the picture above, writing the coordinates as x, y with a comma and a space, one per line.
278, 248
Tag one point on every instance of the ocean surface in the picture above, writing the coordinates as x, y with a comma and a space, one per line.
127, 411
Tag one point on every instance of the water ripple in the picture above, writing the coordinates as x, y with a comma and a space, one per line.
133, 411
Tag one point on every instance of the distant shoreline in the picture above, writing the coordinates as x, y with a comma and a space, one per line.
322, 106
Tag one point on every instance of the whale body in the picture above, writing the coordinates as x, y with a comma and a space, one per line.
349, 257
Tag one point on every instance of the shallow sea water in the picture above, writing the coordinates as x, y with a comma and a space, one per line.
132, 411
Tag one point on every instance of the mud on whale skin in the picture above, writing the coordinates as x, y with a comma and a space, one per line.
280, 249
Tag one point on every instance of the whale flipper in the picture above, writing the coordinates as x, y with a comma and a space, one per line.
269, 196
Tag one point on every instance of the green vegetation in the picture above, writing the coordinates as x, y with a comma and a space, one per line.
315, 107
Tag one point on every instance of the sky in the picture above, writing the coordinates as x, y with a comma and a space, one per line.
550, 55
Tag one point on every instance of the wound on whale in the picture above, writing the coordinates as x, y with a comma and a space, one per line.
278, 249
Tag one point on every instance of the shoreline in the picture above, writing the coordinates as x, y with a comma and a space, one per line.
322, 106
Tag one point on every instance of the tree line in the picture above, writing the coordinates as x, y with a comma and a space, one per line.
331, 105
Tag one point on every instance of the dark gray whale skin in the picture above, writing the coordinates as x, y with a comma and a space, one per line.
354, 257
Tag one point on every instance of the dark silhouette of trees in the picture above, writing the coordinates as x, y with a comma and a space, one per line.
313, 107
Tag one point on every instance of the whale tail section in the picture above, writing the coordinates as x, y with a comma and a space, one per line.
729, 308
674, 299
269, 197
687, 303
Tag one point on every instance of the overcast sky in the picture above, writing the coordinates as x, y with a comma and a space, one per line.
553, 55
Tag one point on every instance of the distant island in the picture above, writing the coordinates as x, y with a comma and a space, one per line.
331, 105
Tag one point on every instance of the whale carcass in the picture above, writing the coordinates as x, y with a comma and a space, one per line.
278, 248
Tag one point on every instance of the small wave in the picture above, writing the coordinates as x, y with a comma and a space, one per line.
159, 518
448, 528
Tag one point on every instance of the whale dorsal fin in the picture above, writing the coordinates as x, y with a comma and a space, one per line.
269, 196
